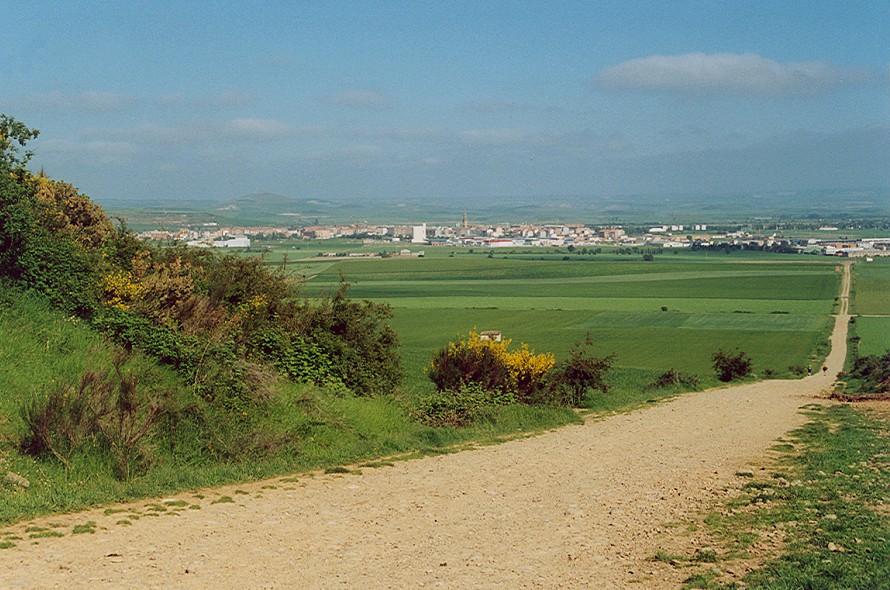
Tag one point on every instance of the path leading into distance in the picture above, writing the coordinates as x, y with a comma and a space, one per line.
579, 507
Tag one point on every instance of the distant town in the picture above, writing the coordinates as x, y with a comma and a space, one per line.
508, 235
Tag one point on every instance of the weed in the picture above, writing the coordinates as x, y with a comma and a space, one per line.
45, 534
224, 500
6, 544
86, 528
671, 558
701, 580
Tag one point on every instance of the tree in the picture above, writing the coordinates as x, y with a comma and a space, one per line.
13, 137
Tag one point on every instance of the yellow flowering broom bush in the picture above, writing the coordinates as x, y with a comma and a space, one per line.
518, 375
490, 365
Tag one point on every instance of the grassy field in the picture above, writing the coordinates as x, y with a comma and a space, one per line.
871, 285
670, 313
874, 334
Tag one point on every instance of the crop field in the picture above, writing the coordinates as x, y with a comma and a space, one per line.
674, 312
871, 300
871, 284
874, 334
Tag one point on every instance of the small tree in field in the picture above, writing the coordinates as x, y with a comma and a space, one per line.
731, 366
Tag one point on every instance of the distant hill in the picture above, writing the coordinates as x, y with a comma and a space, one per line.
265, 208
273, 207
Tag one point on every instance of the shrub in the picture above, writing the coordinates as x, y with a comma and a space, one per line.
527, 372
105, 408
730, 367
673, 377
527, 377
869, 374
471, 361
354, 335
461, 407
580, 373
296, 357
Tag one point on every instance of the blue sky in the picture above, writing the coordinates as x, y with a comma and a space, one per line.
450, 100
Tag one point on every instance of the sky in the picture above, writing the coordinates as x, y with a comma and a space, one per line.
450, 100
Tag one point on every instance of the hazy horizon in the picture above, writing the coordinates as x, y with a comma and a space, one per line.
451, 102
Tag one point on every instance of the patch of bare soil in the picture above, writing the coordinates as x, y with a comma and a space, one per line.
581, 507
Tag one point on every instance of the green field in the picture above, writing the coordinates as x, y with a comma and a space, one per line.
871, 287
874, 334
674, 312
871, 303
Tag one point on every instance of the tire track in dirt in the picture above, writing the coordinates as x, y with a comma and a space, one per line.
578, 507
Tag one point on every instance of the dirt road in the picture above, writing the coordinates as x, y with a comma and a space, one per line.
575, 508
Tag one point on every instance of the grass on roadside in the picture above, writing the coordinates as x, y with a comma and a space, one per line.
819, 519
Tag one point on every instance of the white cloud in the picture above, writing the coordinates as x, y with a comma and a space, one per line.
492, 136
728, 73
91, 152
360, 99
230, 98
84, 101
243, 129
258, 129
402, 133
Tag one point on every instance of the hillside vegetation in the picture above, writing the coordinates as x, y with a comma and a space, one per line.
129, 370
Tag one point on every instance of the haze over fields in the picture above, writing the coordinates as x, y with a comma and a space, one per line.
433, 102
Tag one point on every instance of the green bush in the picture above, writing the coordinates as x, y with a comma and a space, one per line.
354, 335
673, 377
468, 404
869, 374
296, 357
582, 372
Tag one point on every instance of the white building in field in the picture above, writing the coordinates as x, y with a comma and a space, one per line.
240, 242
418, 234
